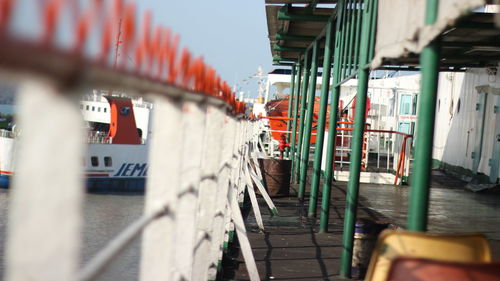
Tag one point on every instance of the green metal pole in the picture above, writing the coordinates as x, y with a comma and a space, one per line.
347, 36
332, 127
295, 113
358, 32
350, 54
320, 131
290, 106
306, 138
303, 100
356, 147
419, 192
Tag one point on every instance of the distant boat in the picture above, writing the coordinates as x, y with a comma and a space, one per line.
117, 152
279, 108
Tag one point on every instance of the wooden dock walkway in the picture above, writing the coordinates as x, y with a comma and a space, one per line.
292, 249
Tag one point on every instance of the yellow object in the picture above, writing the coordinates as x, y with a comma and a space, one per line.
441, 247
260, 99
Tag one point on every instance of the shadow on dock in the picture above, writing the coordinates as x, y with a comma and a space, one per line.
292, 249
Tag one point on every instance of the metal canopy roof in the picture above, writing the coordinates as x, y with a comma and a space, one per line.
289, 38
300, 1
473, 42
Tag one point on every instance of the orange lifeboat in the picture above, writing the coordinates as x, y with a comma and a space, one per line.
279, 108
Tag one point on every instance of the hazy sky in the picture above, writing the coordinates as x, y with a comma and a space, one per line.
230, 34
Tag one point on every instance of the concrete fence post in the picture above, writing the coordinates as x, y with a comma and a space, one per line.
164, 176
47, 190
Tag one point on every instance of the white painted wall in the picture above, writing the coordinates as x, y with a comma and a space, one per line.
455, 131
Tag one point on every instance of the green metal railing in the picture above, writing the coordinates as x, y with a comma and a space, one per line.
290, 105
306, 137
296, 92
349, 48
332, 128
419, 192
320, 130
365, 56
303, 99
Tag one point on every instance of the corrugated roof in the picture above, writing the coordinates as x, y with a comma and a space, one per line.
300, 1
473, 42
293, 28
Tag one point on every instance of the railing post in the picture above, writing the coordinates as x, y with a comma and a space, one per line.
320, 131
293, 146
419, 192
207, 198
306, 138
223, 182
357, 144
290, 105
158, 242
303, 100
45, 211
193, 125
332, 126
234, 207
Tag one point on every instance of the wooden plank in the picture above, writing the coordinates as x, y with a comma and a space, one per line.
253, 198
163, 178
45, 211
245, 247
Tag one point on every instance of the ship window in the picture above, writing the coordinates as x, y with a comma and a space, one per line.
87, 107
105, 109
99, 109
108, 161
93, 108
95, 161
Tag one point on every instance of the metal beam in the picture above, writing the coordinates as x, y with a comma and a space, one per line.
332, 127
357, 142
283, 63
288, 49
419, 192
306, 141
284, 15
288, 37
284, 59
320, 131
303, 100
296, 93
290, 103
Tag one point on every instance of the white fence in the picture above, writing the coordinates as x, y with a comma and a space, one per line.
198, 169
202, 156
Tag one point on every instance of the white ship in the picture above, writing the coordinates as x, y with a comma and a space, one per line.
118, 140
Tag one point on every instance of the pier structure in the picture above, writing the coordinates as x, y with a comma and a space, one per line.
203, 165
199, 158
352, 39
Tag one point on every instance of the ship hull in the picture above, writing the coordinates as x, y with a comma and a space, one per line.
109, 168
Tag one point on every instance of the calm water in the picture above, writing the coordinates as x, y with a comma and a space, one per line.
105, 217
